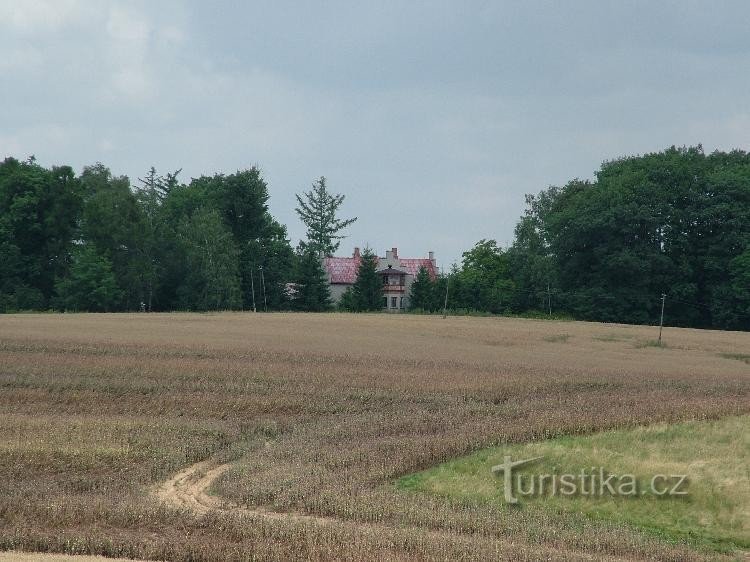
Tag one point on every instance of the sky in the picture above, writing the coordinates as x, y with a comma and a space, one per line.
433, 118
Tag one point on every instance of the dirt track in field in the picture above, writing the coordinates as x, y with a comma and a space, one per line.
188, 490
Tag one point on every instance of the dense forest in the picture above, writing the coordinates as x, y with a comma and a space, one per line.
673, 223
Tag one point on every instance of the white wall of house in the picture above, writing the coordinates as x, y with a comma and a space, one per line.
401, 296
337, 291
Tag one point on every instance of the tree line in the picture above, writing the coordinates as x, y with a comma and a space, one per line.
94, 242
675, 222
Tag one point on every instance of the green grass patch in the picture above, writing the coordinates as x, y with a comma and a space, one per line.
651, 343
613, 337
557, 338
715, 456
738, 356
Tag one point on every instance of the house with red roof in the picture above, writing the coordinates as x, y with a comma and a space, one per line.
397, 273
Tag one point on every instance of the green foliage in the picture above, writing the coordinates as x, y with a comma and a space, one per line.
367, 292
276, 258
422, 295
347, 302
317, 209
530, 258
115, 224
313, 293
483, 282
39, 209
212, 281
90, 285
153, 241
672, 222
169, 245
439, 289
241, 199
739, 271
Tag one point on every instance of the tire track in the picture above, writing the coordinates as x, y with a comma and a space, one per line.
187, 490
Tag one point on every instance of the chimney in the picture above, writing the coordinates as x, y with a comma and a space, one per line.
431, 254
356, 252
394, 251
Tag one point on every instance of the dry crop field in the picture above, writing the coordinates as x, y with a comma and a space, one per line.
280, 436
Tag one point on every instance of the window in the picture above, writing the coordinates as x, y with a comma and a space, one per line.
393, 302
402, 302
385, 302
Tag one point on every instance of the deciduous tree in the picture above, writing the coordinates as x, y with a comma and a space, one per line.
212, 281
39, 213
90, 285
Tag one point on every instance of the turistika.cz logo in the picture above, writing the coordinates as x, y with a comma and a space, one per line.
590, 481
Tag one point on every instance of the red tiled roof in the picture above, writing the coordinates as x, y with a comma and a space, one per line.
342, 270
412, 265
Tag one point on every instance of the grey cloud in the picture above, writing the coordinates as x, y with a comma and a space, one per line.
433, 117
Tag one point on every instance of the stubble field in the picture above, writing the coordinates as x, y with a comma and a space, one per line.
281, 436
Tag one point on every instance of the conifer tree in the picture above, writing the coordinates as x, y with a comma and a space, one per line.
368, 289
421, 295
318, 208
346, 302
313, 293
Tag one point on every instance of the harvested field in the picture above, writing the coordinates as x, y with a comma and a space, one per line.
312, 418
15, 556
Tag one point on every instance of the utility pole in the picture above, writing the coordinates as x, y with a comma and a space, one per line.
252, 288
549, 300
263, 284
661, 322
445, 302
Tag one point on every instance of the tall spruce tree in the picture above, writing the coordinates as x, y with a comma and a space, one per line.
151, 244
318, 208
421, 295
313, 293
368, 289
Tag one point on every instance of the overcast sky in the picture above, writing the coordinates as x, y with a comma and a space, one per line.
433, 118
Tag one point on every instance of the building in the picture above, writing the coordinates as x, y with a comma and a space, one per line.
397, 273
